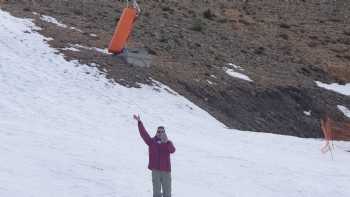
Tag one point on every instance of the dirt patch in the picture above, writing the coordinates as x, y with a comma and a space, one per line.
340, 72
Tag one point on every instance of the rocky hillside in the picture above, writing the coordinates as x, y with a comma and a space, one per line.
282, 46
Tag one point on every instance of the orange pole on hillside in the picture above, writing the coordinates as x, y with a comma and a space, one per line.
123, 30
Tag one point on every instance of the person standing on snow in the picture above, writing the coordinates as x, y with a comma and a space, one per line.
159, 150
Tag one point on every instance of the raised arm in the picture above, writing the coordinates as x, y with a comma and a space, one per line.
145, 136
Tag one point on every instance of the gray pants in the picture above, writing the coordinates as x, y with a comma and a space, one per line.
161, 181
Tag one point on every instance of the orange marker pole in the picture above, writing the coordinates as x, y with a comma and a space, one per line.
123, 30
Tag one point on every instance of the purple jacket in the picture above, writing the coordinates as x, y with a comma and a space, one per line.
159, 153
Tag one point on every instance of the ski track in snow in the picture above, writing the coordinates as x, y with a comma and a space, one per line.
64, 132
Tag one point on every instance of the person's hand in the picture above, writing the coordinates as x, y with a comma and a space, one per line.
164, 138
137, 117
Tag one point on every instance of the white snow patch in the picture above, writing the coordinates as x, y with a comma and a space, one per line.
64, 132
341, 89
48, 39
235, 66
211, 83
76, 29
235, 74
308, 113
93, 35
345, 110
53, 20
105, 51
71, 49
235, 71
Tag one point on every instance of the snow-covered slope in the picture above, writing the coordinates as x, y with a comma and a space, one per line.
65, 130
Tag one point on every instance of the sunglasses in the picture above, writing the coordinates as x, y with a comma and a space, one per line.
161, 131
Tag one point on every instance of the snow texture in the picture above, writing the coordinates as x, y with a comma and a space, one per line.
50, 19
71, 49
53, 20
209, 82
232, 70
341, 89
345, 110
66, 130
308, 113
105, 51
76, 29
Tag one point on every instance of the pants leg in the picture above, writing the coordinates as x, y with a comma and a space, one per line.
166, 184
156, 183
